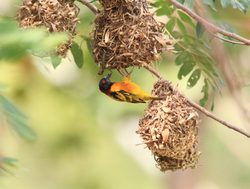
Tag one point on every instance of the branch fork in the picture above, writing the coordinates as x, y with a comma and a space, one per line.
210, 27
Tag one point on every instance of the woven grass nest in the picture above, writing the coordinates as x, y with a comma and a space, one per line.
126, 34
169, 129
55, 15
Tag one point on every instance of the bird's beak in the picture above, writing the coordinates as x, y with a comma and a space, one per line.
108, 76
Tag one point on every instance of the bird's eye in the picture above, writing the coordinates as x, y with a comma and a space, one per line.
103, 81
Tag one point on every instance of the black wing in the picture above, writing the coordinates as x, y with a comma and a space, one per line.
126, 97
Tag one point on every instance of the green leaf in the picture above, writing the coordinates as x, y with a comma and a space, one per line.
8, 160
204, 90
77, 54
236, 4
177, 34
21, 127
239, 6
181, 27
181, 58
16, 119
189, 40
156, 4
90, 44
194, 78
160, 3
56, 61
12, 52
208, 64
185, 69
170, 25
6, 163
246, 3
15, 42
212, 106
186, 18
199, 30
164, 10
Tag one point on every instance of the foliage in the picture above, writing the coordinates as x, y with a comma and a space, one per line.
14, 47
77, 54
16, 119
6, 163
16, 42
242, 5
192, 49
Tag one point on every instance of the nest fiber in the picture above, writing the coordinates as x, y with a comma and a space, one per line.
127, 34
169, 128
55, 15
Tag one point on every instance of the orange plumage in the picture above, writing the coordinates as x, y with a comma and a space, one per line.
125, 91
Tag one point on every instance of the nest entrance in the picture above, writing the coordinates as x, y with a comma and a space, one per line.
127, 35
169, 128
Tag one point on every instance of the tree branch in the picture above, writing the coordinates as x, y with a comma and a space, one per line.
228, 40
229, 73
214, 117
90, 6
208, 25
201, 109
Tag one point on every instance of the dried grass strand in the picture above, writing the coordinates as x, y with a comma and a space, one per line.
55, 15
127, 34
169, 129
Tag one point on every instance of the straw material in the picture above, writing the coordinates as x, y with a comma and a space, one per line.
169, 128
126, 34
55, 15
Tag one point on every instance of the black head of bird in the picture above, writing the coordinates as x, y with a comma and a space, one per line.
105, 84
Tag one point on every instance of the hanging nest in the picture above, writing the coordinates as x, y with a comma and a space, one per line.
55, 15
127, 34
169, 128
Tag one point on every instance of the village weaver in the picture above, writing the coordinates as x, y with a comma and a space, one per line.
125, 91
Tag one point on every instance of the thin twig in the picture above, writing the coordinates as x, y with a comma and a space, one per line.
208, 25
228, 40
90, 6
224, 39
228, 72
211, 27
211, 115
201, 109
153, 71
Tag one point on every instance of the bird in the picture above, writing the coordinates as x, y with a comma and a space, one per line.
125, 90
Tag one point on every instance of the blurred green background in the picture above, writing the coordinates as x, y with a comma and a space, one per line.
88, 141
